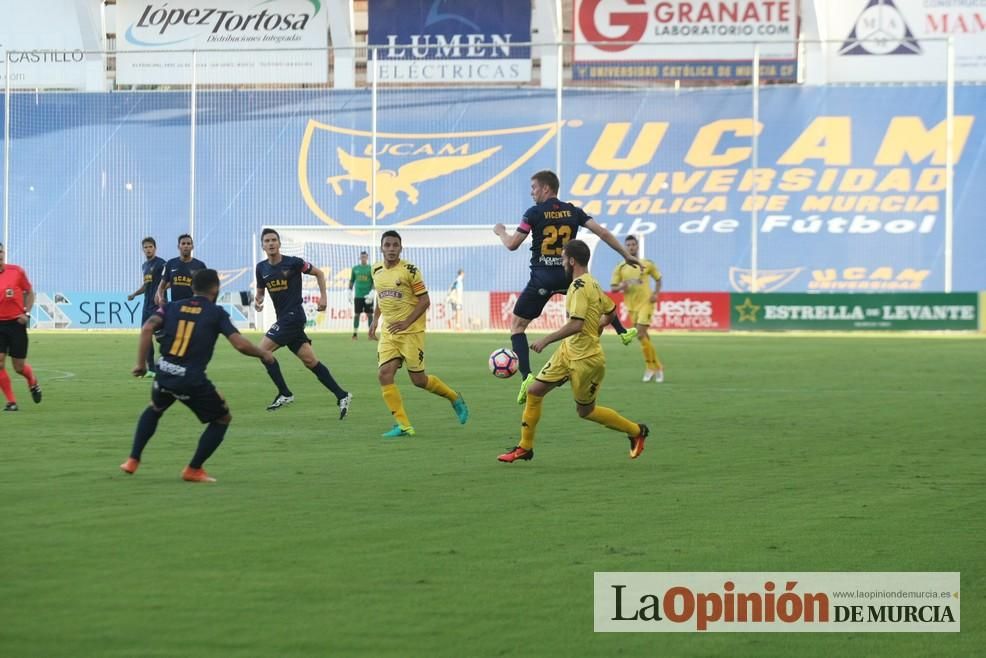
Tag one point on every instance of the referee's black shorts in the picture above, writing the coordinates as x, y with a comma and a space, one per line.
13, 339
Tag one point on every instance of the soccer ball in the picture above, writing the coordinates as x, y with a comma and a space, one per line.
503, 363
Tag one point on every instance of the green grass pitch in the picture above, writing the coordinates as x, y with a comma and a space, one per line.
776, 453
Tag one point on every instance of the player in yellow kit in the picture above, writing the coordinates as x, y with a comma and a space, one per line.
402, 300
578, 359
634, 283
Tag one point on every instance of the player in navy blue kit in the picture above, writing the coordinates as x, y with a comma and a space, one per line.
551, 224
178, 272
281, 276
190, 328
152, 271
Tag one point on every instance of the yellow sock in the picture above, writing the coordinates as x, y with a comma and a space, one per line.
646, 348
392, 398
614, 421
438, 387
532, 414
650, 354
653, 357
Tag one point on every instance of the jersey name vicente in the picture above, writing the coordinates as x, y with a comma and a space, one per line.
552, 224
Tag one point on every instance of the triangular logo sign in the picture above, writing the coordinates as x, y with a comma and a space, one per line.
880, 30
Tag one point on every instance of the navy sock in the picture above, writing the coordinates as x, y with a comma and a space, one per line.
523, 351
327, 380
146, 426
274, 371
615, 321
150, 359
208, 442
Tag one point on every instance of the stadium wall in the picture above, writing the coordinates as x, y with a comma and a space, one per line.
846, 184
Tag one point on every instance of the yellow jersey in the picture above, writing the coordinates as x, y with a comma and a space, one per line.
586, 301
398, 289
639, 291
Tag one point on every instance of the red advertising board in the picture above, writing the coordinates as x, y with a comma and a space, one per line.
693, 311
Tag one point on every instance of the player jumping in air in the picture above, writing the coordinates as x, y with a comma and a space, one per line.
551, 224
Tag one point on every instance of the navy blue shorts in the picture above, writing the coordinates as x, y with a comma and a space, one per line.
202, 398
291, 336
544, 283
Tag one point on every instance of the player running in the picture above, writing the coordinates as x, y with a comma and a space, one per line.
281, 276
633, 282
402, 302
578, 359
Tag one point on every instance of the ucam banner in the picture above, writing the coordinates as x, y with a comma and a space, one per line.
242, 41
684, 39
450, 40
904, 40
43, 46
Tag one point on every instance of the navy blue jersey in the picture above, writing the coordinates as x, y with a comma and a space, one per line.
191, 327
552, 224
179, 275
152, 269
283, 284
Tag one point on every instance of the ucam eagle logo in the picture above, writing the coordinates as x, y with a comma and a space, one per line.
389, 182
741, 279
410, 177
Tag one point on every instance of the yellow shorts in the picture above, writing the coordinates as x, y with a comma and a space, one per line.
585, 374
641, 314
409, 348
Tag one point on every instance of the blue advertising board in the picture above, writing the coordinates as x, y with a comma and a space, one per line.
450, 40
845, 190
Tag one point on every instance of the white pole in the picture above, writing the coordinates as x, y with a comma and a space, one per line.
559, 72
949, 155
251, 283
373, 142
755, 161
191, 164
6, 159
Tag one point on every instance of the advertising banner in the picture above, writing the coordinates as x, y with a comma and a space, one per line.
846, 312
904, 40
42, 42
450, 40
684, 39
687, 311
692, 311
841, 199
101, 310
277, 41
